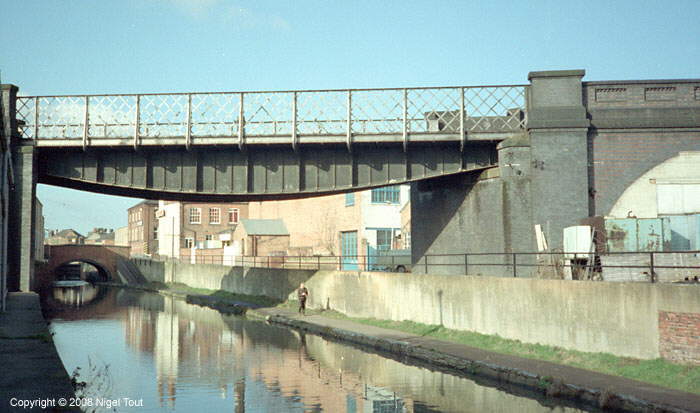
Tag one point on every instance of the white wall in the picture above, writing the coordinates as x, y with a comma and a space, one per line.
381, 215
642, 197
169, 229
121, 236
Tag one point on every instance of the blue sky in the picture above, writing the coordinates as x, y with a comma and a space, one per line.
141, 46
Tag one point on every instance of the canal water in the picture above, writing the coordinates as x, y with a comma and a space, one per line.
139, 351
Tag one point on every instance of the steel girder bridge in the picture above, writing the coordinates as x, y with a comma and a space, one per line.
266, 145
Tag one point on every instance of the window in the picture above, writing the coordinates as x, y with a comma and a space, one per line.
189, 242
350, 199
195, 215
386, 195
384, 239
155, 233
233, 215
209, 237
214, 215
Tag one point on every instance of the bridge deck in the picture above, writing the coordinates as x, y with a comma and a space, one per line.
285, 117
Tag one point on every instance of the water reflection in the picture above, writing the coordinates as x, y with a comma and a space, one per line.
177, 356
75, 293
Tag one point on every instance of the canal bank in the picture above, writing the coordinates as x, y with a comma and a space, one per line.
559, 381
553, 380
33, 376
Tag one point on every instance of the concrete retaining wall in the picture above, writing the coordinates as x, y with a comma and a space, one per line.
617, 318
273, 283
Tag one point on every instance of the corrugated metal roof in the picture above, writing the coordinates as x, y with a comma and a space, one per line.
264, 227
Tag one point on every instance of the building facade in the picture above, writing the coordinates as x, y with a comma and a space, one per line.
143, 228
121, 236
100, 236
64, 236
352, 225
192, 225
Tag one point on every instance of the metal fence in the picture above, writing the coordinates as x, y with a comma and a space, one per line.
271, 114
648, 266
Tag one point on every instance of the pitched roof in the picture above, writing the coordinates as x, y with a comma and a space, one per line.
264, 226
68, 232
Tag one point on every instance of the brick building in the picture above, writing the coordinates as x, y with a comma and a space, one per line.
350, 225
143, 228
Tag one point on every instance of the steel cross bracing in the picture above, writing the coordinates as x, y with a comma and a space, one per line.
284, 117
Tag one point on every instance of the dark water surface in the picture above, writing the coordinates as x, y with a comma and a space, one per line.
166, 355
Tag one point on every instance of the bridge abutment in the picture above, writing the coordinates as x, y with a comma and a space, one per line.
558, 129
541, 178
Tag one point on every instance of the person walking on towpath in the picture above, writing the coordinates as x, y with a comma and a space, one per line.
303, 294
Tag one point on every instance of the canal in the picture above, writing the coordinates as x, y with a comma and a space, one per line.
156, 353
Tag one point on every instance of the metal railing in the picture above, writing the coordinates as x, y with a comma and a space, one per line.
237, 115
650, 266
316, 262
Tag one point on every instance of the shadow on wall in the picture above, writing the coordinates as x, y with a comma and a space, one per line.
446, 195
267, 282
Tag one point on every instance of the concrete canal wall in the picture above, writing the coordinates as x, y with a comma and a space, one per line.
627, 319
269, 282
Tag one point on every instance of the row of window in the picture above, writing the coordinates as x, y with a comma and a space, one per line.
384, 195
195, 215
135, 216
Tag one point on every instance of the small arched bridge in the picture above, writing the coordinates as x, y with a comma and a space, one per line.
109, 261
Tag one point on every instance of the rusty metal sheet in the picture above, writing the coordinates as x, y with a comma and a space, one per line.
621, 234
652, 234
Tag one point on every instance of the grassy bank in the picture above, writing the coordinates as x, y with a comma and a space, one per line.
183, 289
659, 372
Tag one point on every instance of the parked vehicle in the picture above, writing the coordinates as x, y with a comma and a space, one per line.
393, 260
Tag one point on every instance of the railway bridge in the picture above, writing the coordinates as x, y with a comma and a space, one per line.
486, 163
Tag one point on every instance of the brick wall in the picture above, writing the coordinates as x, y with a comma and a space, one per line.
679, 336
619, 158
199, 232
636, 125
314, 224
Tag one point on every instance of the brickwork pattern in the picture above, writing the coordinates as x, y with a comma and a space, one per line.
679, 336
619, 158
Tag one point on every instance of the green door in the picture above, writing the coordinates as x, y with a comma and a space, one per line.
348, 243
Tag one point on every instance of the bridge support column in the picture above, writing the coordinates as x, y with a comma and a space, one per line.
21, 229
558, 128
7, 128
542, 178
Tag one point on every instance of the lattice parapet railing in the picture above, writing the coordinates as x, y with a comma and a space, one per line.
271, 114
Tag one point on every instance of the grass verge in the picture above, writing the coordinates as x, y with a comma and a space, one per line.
177, 288
658, 371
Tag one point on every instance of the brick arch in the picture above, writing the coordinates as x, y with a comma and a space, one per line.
104, 271
102, 257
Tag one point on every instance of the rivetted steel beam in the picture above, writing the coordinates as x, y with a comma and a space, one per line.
271, 172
